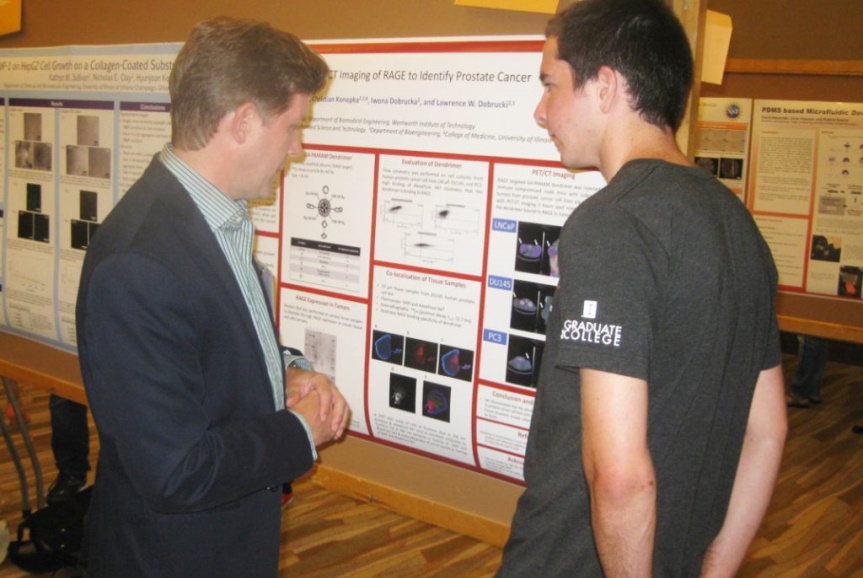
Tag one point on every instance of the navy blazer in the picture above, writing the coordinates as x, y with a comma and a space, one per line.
192, 451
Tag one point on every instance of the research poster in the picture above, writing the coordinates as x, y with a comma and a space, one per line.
722, 138
79, 124
418, 244
806, 184
414, 245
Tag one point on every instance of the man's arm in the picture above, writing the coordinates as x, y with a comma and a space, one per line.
756, 476
619, 471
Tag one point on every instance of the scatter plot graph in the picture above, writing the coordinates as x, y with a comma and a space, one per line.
456, 218
402, 213
429, 247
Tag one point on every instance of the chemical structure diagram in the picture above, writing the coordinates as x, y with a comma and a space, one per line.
324, 208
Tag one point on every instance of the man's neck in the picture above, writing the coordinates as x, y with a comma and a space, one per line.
206, 163
637, 139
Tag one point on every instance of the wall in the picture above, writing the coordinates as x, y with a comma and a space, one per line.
61, 22
794, 29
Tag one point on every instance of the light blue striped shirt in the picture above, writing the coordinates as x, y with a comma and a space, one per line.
230, 222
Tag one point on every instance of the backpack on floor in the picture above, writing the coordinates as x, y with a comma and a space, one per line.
50, 538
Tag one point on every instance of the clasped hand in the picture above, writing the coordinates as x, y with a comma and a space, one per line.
314, 396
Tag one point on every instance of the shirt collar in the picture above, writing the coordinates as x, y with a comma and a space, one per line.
218, 209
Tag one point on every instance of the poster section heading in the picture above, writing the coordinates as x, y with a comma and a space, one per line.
136, 73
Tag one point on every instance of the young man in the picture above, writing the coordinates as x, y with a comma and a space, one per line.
177, 345
659, 418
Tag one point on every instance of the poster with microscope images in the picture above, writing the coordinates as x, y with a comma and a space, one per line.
807, 193
77, 123
722, 140
412, 246
423, 352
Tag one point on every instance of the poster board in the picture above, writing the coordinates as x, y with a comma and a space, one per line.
413, 246
807, 183
797, 166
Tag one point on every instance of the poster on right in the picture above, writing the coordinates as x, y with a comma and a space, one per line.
806, 193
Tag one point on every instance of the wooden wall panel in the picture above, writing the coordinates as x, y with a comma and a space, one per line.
61, 22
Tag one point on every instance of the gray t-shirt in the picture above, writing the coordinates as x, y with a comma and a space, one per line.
666, 278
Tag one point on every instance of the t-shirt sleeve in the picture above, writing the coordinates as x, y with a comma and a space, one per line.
609, 292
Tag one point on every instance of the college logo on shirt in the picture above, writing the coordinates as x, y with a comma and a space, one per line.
591, 331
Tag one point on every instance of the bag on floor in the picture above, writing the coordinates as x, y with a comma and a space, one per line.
50, 538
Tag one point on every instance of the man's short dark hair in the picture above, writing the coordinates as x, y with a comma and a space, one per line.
642, 40
226, 62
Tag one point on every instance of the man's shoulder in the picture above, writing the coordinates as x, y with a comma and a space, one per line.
155, 182
152, 205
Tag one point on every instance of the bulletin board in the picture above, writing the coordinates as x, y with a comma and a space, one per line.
831, 92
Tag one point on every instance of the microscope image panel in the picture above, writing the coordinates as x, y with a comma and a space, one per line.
88, 130
33, 126
26, 225
403, 392
43, 156
80, 234
524, 357
99, 160
531, 305
77, 161
24, 154
456, 362
421, 354
42, 228
387, 347
34, 197
436, 401
89, 202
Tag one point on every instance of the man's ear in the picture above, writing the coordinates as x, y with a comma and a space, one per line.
608, 87
241, 122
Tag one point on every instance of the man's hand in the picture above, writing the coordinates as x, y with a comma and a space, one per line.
332, 409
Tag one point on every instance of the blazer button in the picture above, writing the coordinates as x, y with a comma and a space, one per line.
273, 488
